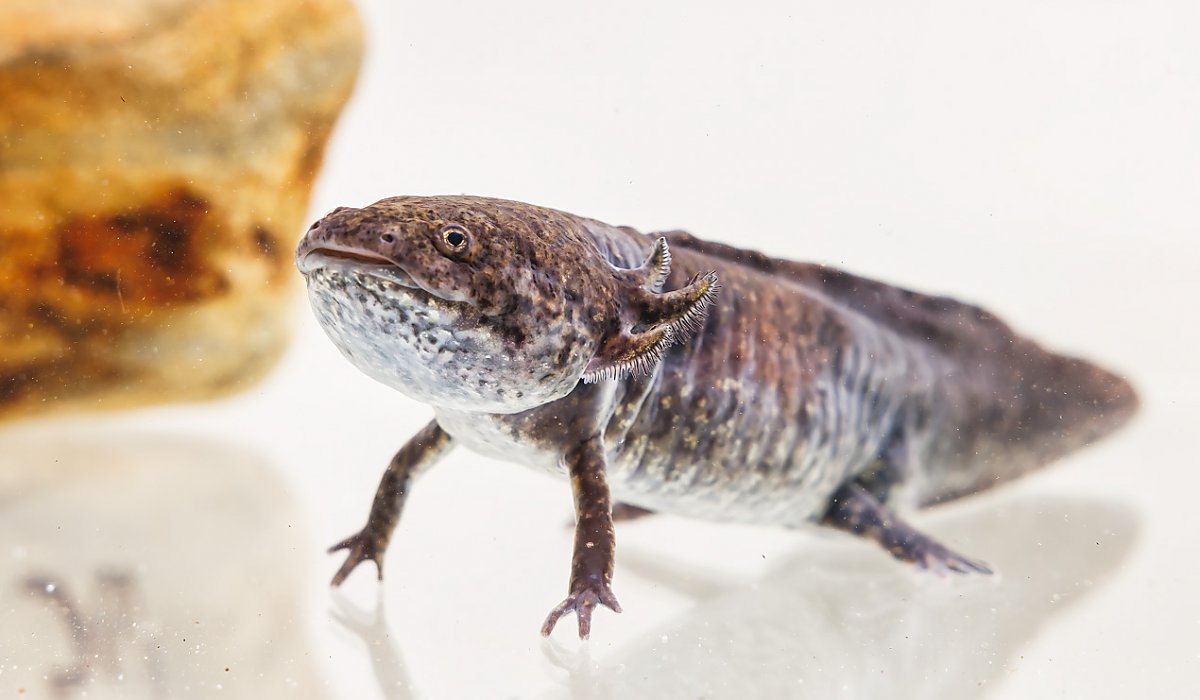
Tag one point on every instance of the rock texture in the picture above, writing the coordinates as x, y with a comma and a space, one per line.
156, 158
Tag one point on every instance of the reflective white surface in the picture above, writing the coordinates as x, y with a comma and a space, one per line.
1038, 158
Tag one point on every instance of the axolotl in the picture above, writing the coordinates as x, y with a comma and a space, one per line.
665, 373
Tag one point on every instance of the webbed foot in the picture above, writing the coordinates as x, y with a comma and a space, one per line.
362, 546
582, 602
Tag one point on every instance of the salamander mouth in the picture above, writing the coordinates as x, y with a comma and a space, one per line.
348, 261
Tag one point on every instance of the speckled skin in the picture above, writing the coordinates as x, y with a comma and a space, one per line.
795, 394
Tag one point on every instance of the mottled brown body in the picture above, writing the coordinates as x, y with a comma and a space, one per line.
961, 400
801, 394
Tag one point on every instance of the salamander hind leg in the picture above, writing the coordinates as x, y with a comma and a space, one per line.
621, 513
624, 512
853, 509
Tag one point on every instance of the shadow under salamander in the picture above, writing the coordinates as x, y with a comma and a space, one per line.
843, 620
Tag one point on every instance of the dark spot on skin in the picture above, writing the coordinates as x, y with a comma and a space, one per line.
511, 326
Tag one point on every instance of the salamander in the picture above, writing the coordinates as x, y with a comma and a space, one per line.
665, 373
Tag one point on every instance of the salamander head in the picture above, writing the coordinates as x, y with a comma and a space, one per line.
487, 305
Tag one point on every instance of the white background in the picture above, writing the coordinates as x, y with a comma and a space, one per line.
1039, 158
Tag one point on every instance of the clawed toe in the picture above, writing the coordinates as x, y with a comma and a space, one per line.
361, 548
962, 565
582, 603
940, 560
855, 510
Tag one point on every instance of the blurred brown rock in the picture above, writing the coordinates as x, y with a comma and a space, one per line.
156, 158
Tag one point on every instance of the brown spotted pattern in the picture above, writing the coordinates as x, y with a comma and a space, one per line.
795, 394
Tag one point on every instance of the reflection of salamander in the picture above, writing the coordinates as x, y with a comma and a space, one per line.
798, 394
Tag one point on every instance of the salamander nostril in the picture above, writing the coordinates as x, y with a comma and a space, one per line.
387, 238
315, 225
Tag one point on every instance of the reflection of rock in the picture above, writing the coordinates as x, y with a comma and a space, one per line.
845, 621
114, 643
156, 164
138, 566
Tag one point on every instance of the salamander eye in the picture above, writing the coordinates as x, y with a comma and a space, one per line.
455, 239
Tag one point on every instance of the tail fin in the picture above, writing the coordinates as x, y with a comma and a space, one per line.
1058, 405
1083, 401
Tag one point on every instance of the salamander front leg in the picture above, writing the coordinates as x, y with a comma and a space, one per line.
855, 510
595, 544
370, 543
